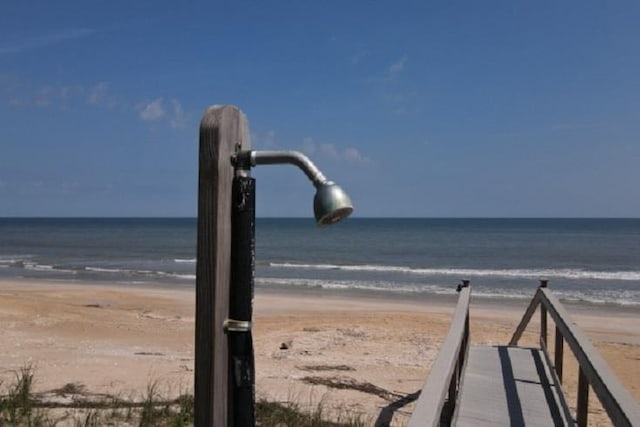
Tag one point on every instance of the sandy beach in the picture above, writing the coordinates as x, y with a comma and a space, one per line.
353, 353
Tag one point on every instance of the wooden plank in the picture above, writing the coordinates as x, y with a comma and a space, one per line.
622, 408
505, 386
434, 392
222, 129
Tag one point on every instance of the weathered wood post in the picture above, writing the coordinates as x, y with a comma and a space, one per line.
558, 360
582, 407
543, 316
223, 131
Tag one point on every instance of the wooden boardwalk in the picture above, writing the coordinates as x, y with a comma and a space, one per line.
509, 386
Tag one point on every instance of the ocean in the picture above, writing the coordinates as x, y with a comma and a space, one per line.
595, 261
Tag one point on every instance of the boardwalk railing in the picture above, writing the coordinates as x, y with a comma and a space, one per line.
621, 407
438, 398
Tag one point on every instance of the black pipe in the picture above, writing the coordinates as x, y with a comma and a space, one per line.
241, 358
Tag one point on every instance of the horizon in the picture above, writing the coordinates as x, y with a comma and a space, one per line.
312, 219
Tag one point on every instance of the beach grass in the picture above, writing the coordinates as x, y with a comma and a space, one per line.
20, 405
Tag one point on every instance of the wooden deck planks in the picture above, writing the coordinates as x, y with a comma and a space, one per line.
508, 386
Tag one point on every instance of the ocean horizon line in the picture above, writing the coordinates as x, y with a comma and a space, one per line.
351, 218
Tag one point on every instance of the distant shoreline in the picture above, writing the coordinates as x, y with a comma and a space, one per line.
416, 299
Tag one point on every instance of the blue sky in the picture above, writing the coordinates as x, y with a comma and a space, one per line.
416, 108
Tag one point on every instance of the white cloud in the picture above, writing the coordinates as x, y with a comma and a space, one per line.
357, 57
390, 75
270, 139
63, 96
171, 113
98, 92
395, 69
152, 111
266, 141
576, 126
17, 102
69, 188
17, 46
45, 97
8, 81
353, 155
308, 145
330, 151
33, 187
390, 88
178, 119
99, 96
65, 92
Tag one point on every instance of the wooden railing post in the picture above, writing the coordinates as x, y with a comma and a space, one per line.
223, 130
456, 378
582, 409
559, 353
465, 337
543, 316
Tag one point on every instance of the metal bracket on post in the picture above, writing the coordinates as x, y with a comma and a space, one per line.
231, 325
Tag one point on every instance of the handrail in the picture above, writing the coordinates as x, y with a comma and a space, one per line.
528, 314
621, 407
443, 381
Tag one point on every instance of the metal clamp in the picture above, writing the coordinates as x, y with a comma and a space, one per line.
231, 325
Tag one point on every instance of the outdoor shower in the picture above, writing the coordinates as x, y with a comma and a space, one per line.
330, 205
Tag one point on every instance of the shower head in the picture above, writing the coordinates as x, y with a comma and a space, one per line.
330, 204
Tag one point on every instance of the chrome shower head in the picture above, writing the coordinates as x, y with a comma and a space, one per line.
331, 204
